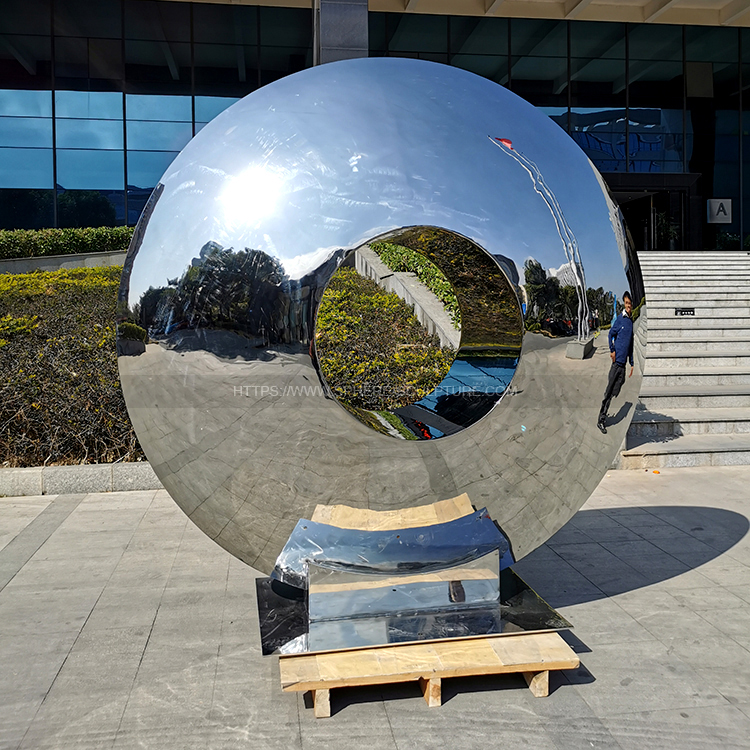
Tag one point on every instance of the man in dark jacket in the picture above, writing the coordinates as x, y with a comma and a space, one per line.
620, 350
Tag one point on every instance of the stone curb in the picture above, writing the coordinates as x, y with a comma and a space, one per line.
56, 262
81, 479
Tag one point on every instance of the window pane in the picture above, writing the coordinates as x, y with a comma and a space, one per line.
158, 136
207, 107
597, 83
226, 69
277, 62
656, 142
90, 170
96, 59
655, 42
711, 44
26, 209
25, 103
478, 36
153, 107
417, 33
600, 132
538, 38
85, 18
90, 208
543, 81
89, 105
146, 19
225, 24
286, 42
26, 131
25, 62
157, 67
494, 67
286, 27
377, 36
89, 134
599, 41
26, 168
480, 45
25, 17
145, 168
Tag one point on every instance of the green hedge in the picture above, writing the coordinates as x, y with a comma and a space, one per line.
60, 396
29, 243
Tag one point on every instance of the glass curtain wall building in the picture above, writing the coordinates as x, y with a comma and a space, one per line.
96, 99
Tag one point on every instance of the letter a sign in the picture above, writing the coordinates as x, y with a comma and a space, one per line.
719, 210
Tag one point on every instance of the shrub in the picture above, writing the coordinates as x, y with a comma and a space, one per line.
60, 397
132, 332
29, 243
637, 309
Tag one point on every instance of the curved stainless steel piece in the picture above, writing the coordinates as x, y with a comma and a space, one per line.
251, 221
412, 550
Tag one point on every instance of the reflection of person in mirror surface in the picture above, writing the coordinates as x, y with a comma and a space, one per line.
620, 350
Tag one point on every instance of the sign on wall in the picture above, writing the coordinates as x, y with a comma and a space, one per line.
719, 210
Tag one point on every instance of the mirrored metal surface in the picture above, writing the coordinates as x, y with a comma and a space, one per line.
254, 217
334, 594
397, 551
285, 629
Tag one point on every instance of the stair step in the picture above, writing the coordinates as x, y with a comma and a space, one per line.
682, 358
657, 398
697, 333
688, 450
696, 376
661, 344
689, 287
660, 310
696, 322
694, 298
675, 422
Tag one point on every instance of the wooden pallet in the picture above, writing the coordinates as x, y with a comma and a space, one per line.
532, 654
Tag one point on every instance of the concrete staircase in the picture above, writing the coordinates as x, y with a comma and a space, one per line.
694, 405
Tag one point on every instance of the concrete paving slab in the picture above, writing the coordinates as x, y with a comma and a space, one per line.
123, 626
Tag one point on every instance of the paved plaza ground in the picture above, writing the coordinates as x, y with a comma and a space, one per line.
123, 626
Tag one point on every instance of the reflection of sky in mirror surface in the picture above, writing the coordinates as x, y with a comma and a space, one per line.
473, 375
334, 155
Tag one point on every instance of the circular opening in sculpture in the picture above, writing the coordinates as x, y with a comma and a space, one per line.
419, 332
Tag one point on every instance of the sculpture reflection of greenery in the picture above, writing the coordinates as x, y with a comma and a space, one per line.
399, 258
494, 326
550, 303
372, 351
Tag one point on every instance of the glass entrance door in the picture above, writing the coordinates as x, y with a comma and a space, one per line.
656, 220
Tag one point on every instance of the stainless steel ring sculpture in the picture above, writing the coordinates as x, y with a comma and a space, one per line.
238, 243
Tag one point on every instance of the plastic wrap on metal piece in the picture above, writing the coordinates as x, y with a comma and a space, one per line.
422, 549
334, 594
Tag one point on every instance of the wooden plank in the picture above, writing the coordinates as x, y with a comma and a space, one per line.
457, 657
364, 519
450, 574
431, 690
538, 683
322, 703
